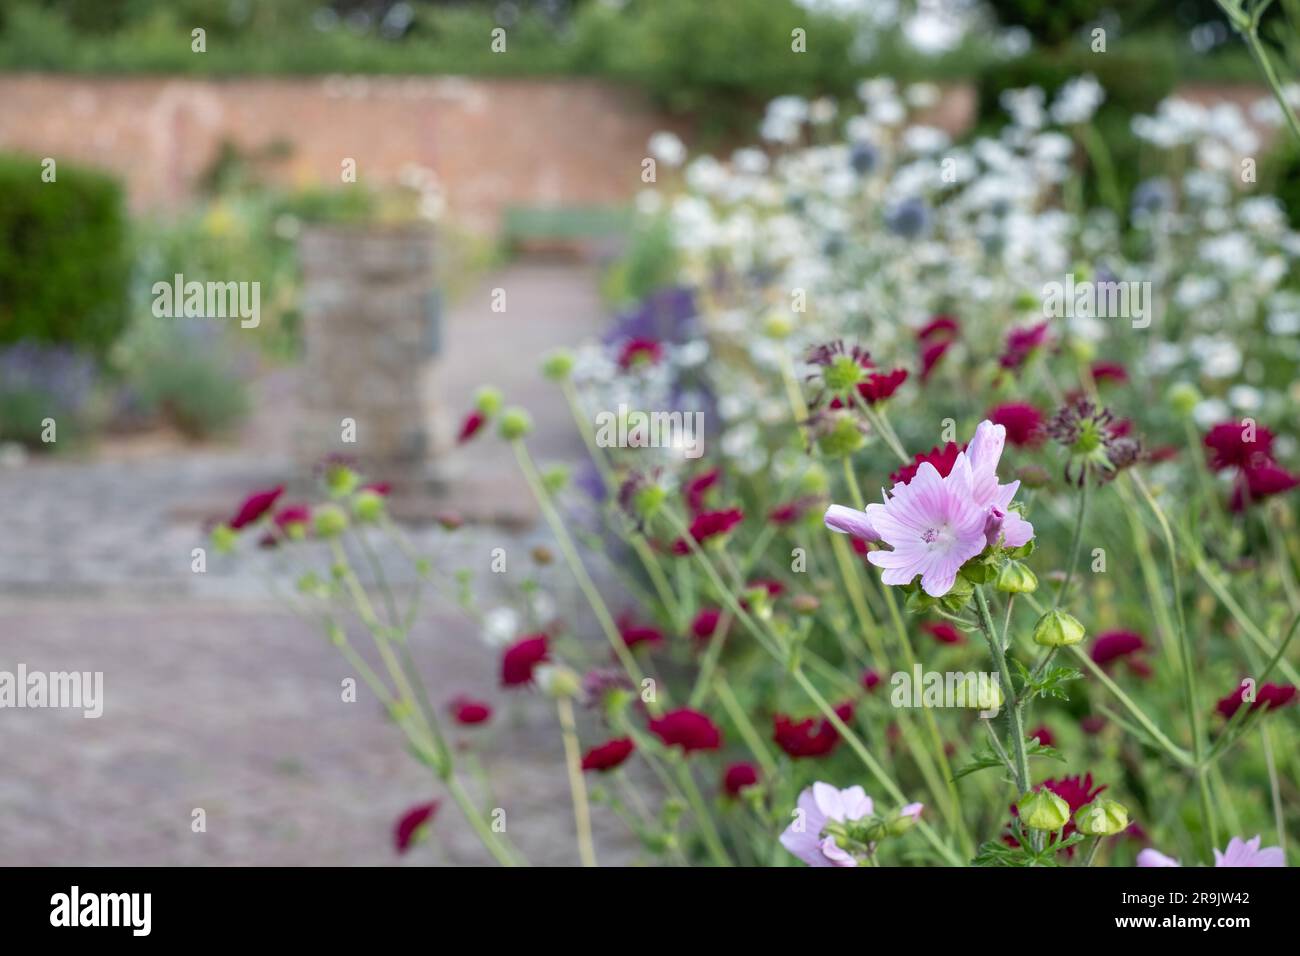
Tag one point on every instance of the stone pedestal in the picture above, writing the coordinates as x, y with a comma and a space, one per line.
370, 313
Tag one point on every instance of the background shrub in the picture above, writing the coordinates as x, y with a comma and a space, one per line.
64, 265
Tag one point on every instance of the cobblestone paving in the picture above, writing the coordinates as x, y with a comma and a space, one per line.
215, 696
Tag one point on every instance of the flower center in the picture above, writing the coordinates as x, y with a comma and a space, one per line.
930, 536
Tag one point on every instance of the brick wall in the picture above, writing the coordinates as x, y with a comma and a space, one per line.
492, 142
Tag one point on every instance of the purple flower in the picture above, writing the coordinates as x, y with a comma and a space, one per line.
850, 521
1247, 853
819, 805
1239, 853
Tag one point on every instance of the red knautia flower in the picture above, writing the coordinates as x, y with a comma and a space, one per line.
254, 506
1259, 481
640, 351
695, 488
410, 824
1234, 445
942, 458
1272, 696
468, 711
688, 729
705, 623
471, 426
878, 386
1043, 735
1109, 372
384, 488
809, 737
870, 679
791, 511
930, 355
1021, 343
608, 755
943, 632
941, 326
634, 634
1023, 422
1092, 723
737, 777
709, 524
1113, 645
291, 515
522, 657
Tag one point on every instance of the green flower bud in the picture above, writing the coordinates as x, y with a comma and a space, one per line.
843, 374
555, 479
1057, 629
515, 424
778, 326
843, 438
224, 538
331, 520
558, 681
1084, 351
341, 481
368, 505
980, 694
1016, 578
958, 595
558, 365
1026, 301
648, 499
1102, 818
1183, 397
814, 481
1043, 810
488, 400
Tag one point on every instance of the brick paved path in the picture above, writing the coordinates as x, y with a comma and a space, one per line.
217, 698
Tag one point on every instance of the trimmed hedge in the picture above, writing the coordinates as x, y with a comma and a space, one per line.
64, 262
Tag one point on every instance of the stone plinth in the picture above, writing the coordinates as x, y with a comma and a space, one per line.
370, 326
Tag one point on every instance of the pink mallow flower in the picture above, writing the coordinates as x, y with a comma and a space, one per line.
935, 523
818, 805
1239, 853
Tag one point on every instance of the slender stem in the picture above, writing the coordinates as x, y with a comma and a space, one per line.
1092, 851
707, 828
1076, 544
577, 786
487, 835
743, 725
1274, 787
1177, 753
1014, 730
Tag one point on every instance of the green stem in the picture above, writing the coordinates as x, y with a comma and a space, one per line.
1014, 730
1076, 544
577, 787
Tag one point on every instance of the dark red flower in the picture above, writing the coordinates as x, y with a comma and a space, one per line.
1023, 422
379, 487
695, 488
705, 623
942, 458
1266, 695
879, 386
639, 351
1259, 481
737, 777
1020, 343
870, 679
791, 511
409, 824
634, 634
1229, 447
1114, 644
522, 657
467, 710
254, 506
809, 737
930, 355
292, 514
1109, 372
1043, 735
609, 755
944, 326
688, 729
943, 632
1092, 724
708, 524
474, 421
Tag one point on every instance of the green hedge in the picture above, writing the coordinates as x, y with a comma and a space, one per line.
64, 264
